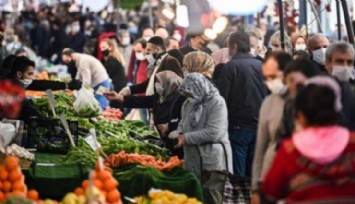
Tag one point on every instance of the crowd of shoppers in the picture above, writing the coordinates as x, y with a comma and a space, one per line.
283, 118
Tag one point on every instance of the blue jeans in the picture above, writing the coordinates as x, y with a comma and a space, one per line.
243, 146
100, 98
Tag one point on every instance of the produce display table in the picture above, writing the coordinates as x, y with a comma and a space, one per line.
52, 179
137, 180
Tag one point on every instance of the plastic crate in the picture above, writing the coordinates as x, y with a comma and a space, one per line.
49, 136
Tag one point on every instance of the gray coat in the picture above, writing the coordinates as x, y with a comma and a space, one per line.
265, 150
212, 127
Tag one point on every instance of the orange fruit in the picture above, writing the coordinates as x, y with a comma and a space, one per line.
85, 184
11, 163
79, 191
7, 186
103, 175
2, 196
4, 174
33, 195
113, 196
18, 194
98, 184
110, 184
1, 185
15, 175
19, 186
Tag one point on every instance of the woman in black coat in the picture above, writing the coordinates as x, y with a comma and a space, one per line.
166, 105
113, 62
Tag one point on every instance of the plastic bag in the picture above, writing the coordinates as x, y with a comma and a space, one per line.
8, 131
85, 104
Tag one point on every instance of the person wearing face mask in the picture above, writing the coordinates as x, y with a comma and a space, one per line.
22, 70
299, 43
125, 47
177, 35
273, 68
339, 63
90, 71
254, 45
314, 165
166, 106
273, 122
204, 119
159, 60
76, 37
242, 86
197, 42
114, 67
138, 64
317, 46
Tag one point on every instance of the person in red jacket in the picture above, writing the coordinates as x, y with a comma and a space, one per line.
316, 165
137, 72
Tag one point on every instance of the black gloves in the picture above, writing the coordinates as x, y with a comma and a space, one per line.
74, 85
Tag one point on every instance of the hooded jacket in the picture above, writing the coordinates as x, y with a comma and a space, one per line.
313, 168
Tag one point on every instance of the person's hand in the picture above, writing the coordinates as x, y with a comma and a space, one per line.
114, 96
181, 141
74, 84
163, 129
255, 198
125, 91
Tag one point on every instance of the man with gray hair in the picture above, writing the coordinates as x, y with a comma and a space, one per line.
340, 58
317, 46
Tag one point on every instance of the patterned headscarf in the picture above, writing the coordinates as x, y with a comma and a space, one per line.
198, 62
166, 83
199, 90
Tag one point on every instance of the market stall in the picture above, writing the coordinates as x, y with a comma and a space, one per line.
67, 143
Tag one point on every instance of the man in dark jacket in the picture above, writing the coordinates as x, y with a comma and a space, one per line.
317, 45
161, 61
242, 86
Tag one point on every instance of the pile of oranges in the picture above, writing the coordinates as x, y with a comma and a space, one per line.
12, 181
103, 181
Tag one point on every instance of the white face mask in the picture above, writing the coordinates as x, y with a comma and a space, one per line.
319, 55
26, 82
150, 58
146, 38
75, 29
253, 51
275, 86
126, 41
140, 56
260, 44
344, 73
300, 47
177, 37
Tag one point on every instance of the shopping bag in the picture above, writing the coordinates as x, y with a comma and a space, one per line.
237, 190
85, 104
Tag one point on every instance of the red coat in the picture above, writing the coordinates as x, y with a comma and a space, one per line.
142, 72
297, 179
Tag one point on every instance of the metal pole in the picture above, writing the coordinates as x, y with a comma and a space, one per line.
150, 15
339, 19
349, 26
316, 16
282, 23
305, 10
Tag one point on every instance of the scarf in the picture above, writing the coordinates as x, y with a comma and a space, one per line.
166, 83
199, 62
199, 90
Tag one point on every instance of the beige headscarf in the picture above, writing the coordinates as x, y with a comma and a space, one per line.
200, 62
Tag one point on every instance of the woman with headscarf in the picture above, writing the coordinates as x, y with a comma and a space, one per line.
200, 62
166, 105
204, 120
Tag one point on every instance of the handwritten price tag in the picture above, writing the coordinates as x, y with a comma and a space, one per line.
92, 142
